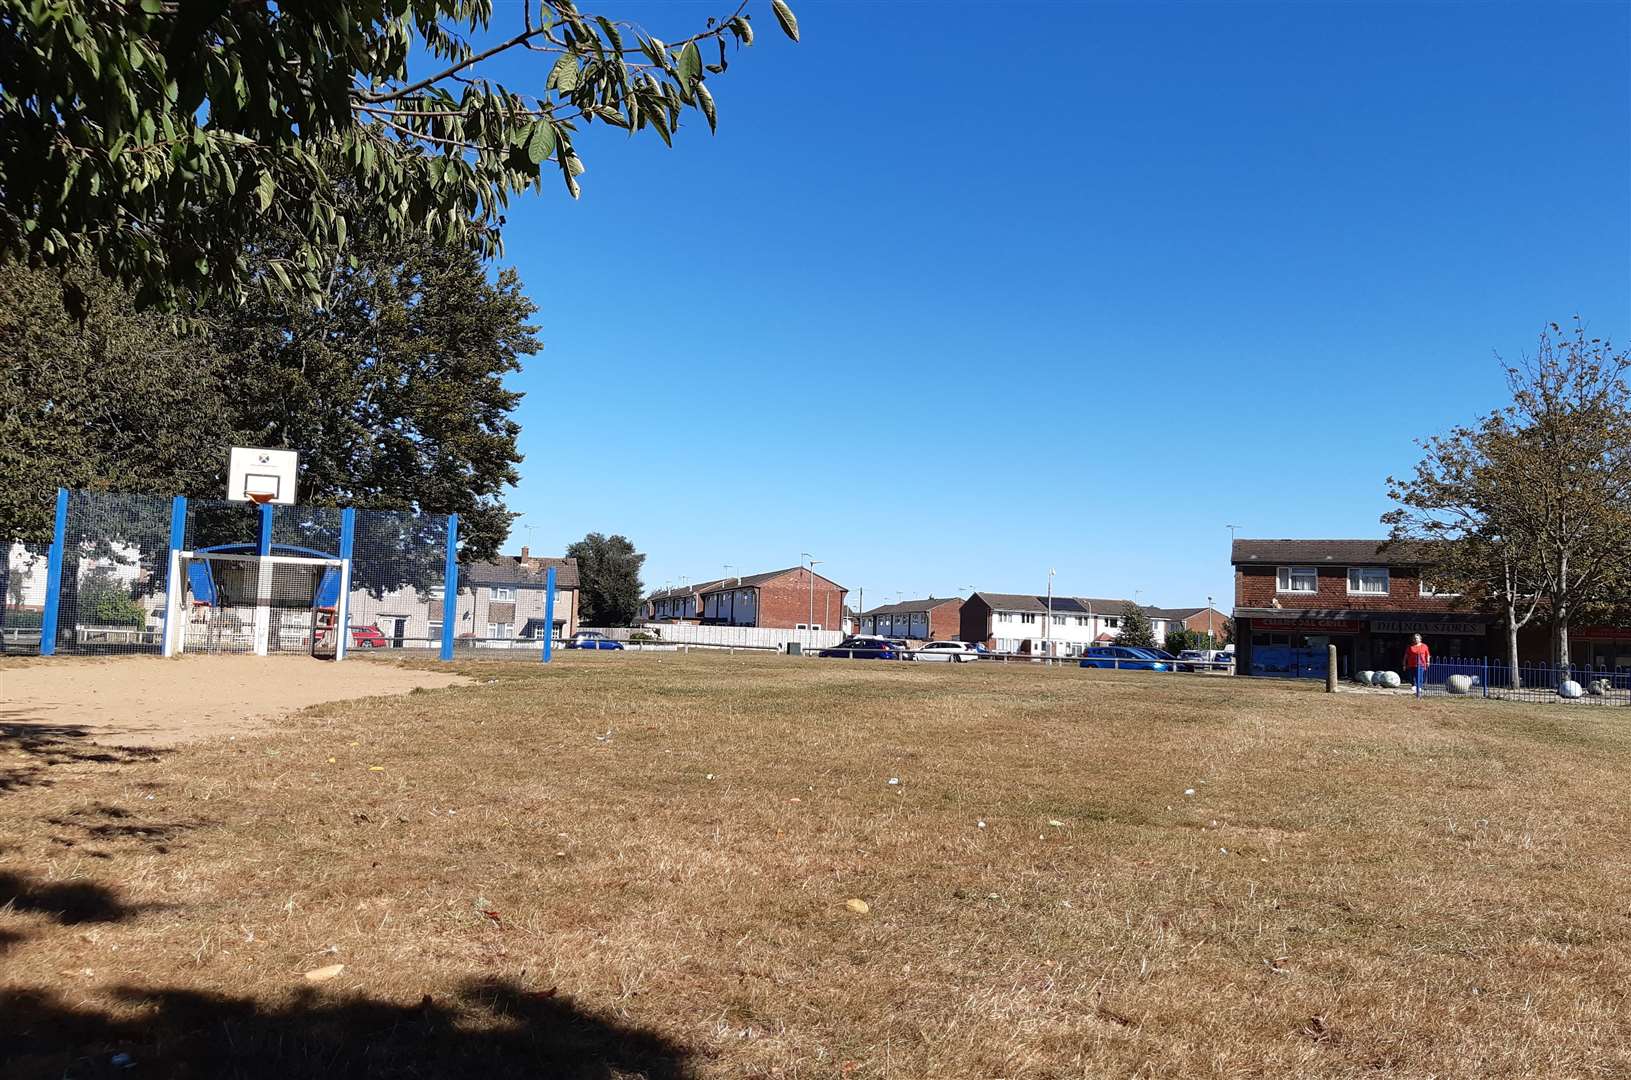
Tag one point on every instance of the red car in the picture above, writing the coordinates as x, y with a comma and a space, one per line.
368, 637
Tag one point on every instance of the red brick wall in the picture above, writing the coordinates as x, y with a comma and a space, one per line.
1255, 587
945, 621
1198, 622
784, 602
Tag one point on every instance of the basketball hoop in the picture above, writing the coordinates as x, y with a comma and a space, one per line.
260, 498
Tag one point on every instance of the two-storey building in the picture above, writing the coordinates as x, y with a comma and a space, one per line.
1057, 626
792, 599
1293, 598
918, 620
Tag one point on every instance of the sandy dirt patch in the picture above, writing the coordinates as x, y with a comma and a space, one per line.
147, 701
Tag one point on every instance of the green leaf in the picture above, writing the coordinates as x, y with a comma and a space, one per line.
564, 75
784, 16
153, 7
707, 102
541, 142
742, 29
690, 63
265, 190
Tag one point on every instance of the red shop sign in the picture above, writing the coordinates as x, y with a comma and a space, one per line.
1332, 626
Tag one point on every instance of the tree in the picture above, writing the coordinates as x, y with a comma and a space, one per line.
124, 402
609, 586
1180, 638
156, 140
1530, 507
392, 391
1136, 629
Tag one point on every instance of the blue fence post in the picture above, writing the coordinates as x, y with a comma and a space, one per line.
342, 603
53, 577
173, 579
450, 587
549, 614
1486, 676
265, 546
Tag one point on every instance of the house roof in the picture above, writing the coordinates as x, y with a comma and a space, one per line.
1333, 552
748, 581
682, 590
524, 573
907, 606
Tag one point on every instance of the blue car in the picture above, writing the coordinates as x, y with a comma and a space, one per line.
592, 639
1127, 658
865, 648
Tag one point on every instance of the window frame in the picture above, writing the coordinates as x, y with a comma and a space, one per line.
1285, 577
1427, 592
503, 594
1368, 572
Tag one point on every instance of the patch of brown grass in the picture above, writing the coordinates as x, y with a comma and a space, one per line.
639, 865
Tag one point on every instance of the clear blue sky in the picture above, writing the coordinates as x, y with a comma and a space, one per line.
959, 293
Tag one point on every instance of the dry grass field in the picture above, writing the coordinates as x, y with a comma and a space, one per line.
641, 866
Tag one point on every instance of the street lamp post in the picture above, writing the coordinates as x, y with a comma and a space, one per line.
1047, 625
809, 620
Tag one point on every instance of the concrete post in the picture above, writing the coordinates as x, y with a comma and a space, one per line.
1330, 669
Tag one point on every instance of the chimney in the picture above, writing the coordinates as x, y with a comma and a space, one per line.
524, 553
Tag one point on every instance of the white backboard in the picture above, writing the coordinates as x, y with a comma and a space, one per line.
253, 471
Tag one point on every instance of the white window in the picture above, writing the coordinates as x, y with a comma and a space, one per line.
435, 631
816, 626
436, 592
1028, 617
1058, 620
1112, 622
502, 592
1297, 579
1367, 581
1429, 589
498, 629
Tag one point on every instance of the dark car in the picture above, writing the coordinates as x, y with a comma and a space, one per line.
1127, 658
860, 647
592, 639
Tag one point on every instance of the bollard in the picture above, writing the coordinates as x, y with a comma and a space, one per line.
1330, 669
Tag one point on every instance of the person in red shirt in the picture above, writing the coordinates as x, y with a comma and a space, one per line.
1416, 660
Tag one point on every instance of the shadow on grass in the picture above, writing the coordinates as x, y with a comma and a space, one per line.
487, 1029
29, 750
68, 902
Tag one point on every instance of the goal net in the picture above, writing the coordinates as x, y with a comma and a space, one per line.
259, 604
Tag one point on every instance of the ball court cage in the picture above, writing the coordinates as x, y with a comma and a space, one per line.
133, 573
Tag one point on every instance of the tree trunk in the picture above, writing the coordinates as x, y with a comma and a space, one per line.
1512, 646
1564, 665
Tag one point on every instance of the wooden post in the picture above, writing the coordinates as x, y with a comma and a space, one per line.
1330, 669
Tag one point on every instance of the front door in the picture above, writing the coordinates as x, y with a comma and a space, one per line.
399, 631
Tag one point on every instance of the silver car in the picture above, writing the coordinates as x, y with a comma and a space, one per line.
951, 652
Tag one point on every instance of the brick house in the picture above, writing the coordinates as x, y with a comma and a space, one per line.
682, 603
783, 599
1020, 622
1293, 598
918, 620
1202, 620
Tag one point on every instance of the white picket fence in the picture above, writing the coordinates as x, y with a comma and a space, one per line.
740, 637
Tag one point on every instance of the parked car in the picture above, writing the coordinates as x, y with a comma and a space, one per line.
1205, 660
865, 647
592, 639
954, 652
1127, 658
368, 637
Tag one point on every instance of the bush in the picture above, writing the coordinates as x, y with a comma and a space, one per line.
106, 603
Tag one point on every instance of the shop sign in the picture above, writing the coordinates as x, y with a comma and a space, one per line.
1328, 626
1424, 626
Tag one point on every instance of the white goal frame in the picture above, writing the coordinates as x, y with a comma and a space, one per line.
180, 604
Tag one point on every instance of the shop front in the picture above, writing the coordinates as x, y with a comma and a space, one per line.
1292, 644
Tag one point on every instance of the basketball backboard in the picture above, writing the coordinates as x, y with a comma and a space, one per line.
259, 475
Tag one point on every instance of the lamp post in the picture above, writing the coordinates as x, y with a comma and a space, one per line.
1212, 642
1047, 625
809, 634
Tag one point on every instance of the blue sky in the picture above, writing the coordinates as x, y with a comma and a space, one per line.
960, 293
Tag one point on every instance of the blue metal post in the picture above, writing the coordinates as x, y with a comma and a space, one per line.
174, 579
549, 614
450, 587
265, 547
53, 577
342, 604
